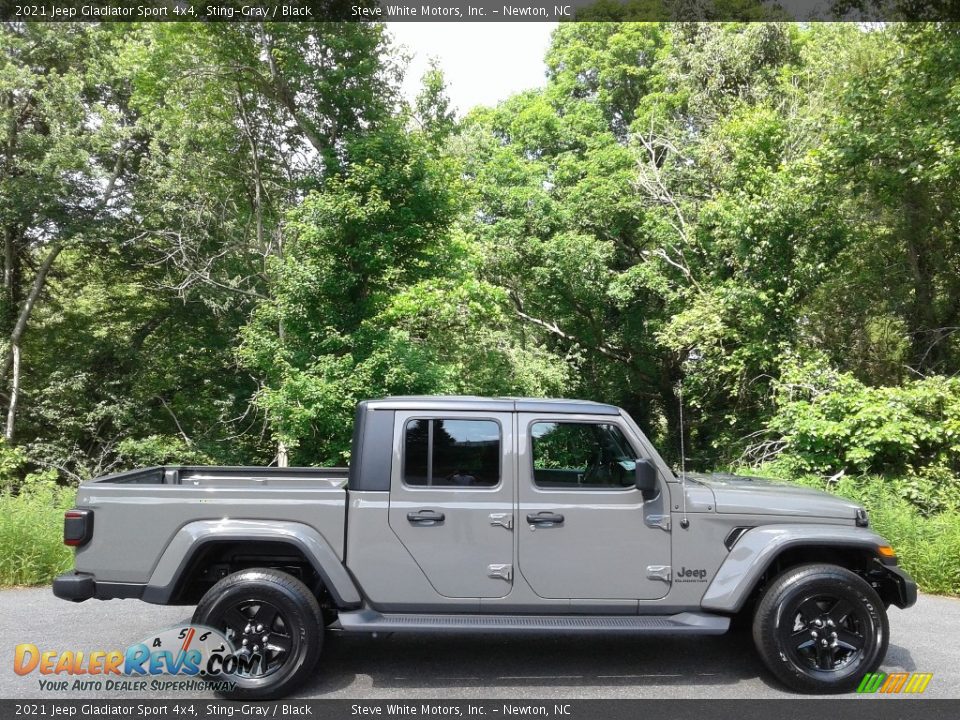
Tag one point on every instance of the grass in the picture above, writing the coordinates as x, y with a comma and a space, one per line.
31, 536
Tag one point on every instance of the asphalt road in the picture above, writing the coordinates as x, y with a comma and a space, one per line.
923, 639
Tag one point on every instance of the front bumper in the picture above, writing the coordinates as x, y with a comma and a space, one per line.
77, 587
898, 587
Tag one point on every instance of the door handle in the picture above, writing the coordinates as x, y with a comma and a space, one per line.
426, 517
545, 518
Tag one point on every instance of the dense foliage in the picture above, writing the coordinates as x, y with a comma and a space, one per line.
217, 238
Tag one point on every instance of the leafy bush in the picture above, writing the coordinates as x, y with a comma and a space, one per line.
159, 450
31, 526
895, 450
828, 422
12, 460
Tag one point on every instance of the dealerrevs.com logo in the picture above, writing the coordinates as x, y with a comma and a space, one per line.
894, 682
192, 657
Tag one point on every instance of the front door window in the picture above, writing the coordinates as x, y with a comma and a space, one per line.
581, 455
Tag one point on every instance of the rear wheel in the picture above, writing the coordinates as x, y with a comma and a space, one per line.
270, 614
820, 628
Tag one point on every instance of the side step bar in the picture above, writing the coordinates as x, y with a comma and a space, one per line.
682, 623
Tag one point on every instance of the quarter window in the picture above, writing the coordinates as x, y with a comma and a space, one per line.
451, 453
581, 455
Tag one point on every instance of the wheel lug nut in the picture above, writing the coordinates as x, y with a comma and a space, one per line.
256, 648
244, 642
813, 633
259, 628
265, 638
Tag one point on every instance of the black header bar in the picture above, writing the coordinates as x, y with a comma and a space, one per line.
872, 708
475, 10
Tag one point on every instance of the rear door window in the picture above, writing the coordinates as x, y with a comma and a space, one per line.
441, 452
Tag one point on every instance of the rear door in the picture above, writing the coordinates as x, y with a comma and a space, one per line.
452, 502
584, 530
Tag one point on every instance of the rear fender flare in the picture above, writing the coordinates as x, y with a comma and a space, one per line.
190, 538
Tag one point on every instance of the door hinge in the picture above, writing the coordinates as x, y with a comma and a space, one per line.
659, 572
500, 571
502, 519
660, 521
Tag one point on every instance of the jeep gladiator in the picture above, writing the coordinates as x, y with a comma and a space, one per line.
462, 514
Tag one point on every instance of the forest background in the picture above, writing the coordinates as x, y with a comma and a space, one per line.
218, 238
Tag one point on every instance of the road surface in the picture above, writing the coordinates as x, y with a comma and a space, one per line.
923, 639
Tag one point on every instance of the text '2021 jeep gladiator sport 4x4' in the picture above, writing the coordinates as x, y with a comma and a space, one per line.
497, 515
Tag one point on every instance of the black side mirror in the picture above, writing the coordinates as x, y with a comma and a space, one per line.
645, 477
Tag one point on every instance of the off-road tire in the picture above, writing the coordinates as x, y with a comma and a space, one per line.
809, 604
297, 623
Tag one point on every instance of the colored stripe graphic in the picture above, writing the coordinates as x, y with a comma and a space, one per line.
901, 682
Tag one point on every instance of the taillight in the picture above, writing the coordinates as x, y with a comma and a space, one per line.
77, 527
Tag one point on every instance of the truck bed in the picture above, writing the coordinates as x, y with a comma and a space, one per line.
137, 513
238, 476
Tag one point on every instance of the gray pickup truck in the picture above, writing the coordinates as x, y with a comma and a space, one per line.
508, 515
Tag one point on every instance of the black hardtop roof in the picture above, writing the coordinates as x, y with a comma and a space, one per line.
497, 404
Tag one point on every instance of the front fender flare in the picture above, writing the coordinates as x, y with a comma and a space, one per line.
193, 536
757, 548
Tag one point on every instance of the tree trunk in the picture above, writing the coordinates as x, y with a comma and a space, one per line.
8, 259
25, 311
923, 311
14, 394
278, 89
12, 356
12, 269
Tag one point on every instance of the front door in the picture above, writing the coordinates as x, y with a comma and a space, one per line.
582, 524
451, 500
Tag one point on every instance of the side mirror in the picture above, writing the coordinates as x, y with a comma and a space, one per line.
645, 477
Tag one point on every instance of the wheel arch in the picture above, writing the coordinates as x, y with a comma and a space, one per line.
247, 543
765, 551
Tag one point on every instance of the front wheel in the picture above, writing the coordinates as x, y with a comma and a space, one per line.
273, 616
821, 628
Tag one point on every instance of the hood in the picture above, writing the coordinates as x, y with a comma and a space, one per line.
743, 495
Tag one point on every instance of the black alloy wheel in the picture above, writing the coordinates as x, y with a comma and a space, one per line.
827, 632
259, 629
821, 628
274, 621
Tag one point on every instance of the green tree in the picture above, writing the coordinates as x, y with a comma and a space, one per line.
894, 137
68, 157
